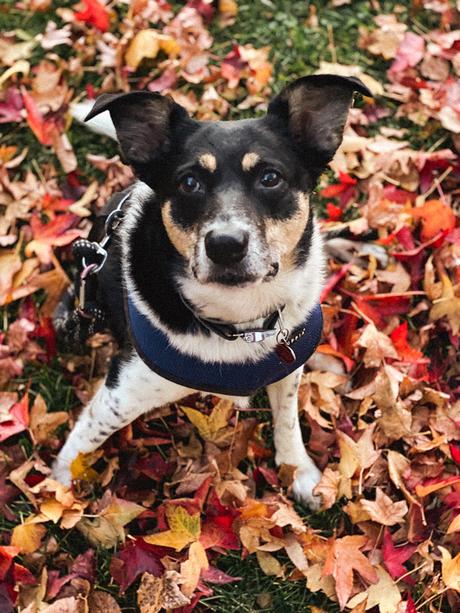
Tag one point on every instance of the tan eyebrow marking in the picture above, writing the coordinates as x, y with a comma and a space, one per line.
285, 235
208, 161
249, 161
182, 240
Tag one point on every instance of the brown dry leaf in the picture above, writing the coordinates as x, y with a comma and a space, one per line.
396, 420
343, 558
156, 593
383, 510
106, 530
102, 602
448, 305
355, 457
328, 487
286, 515
397, 465
450, 569
378, 346
42, 423
150, 595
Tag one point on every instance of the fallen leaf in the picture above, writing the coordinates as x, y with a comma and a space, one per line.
269, 564
384, 510
450, 569
42, 423
344, 557
184, 529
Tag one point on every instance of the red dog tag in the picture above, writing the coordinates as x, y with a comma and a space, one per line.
285, 353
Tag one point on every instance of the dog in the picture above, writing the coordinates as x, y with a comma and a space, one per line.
213, 277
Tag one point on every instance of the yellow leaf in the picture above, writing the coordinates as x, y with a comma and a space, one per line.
454, 525
450, 569
184, 529
28, 537
228, 7
169, 45
19, 66
190, 570
81, 466
144, 45
269, 564
209, 426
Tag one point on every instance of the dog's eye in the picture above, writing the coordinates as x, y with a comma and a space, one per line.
190, 185
270, 178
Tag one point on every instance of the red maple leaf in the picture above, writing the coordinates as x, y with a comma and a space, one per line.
394, 557
94, 14
134, 559
405, 351
18, 419
57, 232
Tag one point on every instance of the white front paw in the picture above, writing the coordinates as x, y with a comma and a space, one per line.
306, 480
60, 471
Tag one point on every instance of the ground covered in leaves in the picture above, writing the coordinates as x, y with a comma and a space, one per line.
184, 509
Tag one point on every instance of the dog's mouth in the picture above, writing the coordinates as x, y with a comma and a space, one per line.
231, 277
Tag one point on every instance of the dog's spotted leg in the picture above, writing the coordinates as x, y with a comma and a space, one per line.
289, 445
135, 390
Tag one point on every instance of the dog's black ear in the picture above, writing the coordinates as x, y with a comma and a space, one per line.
314, 109
143, 122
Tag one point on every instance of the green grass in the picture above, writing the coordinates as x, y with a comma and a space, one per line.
257, 592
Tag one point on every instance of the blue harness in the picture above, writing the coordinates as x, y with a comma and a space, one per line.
242, 379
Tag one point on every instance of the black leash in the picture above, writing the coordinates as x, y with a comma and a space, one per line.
80, 315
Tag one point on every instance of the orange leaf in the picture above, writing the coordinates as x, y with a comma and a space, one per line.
436, 216
28, 536
424, 490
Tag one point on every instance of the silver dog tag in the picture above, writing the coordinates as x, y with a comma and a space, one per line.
258, 336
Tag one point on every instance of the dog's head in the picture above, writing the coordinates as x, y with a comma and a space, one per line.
234, 195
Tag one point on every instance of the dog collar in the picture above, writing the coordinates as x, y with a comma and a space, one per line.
231, 379
229, 332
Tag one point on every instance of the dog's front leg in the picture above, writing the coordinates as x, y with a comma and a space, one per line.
136, 391
289, 445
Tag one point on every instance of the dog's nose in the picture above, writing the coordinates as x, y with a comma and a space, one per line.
226, 248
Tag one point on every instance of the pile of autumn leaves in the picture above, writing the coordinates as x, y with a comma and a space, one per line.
170, 491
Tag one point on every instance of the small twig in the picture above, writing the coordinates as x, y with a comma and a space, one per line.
425, 602
232, 444
330, 35
410, 572
437, 182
